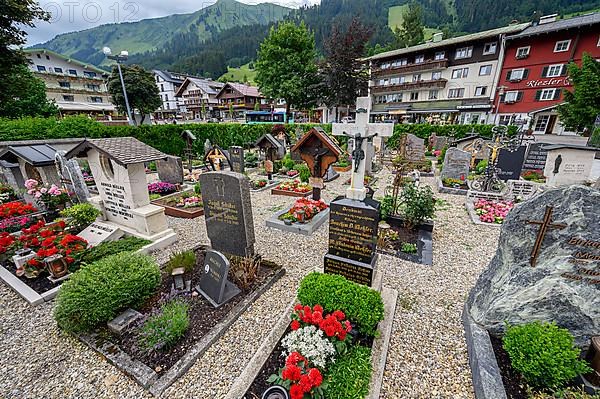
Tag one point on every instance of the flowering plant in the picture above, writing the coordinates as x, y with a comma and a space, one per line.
259, 184
492, 211
190, 202
311, 342
292, 173
89, 179
437, 153
304, 209
334, 325
162, 188
6, 243
7, 194
534, 175
295, 186
13, 216
301, 380
50, 197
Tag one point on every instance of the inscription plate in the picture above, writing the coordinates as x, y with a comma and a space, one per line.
536, 157
236, 155
586, 261
214, 285
357, 272
510, 163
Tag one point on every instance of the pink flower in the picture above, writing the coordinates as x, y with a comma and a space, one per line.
31, 184
43, 190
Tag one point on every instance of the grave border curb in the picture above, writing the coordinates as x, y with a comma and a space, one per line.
305, 229
448, 190
474, 218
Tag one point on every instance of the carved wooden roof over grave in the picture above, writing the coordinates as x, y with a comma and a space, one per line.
323, 137
268, 141
123, 150
36, 155
310, 148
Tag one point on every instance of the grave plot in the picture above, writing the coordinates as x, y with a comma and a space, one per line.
187, 204
538, 296
455, 171
293, 188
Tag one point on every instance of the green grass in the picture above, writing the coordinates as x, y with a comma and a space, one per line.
237, 74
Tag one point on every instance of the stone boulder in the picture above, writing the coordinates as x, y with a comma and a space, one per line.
564, 284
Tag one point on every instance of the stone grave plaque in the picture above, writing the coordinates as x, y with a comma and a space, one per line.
509, 163
456, 164
214, 285
358, 272
120, 323
440, 143
170, 170
546, 267
536, 157
415, 148
228, 212
236, 155
99, 232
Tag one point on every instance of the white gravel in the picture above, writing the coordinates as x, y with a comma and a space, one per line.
427, 357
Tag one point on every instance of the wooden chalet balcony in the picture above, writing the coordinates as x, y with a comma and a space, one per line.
409, 68
422, 84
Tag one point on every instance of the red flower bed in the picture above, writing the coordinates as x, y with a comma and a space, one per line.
16, 208
304, 209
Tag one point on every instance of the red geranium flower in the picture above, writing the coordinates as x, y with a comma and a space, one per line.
296, 392
295, 325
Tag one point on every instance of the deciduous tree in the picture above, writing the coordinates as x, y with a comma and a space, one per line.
25, 96
582, 104
142, 91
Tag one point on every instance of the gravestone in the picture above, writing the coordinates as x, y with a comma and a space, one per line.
415, 148
352, 239
170, 170
546, 267
228, 212
214, 285
440, 143
236, 155
456, 164
98, 232
478, 148
536, 157
568, 164
71, 176
510, 163
119, 324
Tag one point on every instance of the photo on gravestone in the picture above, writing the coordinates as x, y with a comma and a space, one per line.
352, 239
546, 267
228, 212
536, 157
214, 285
510, 163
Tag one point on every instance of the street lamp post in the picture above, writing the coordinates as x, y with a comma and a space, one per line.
120, 58
501, 91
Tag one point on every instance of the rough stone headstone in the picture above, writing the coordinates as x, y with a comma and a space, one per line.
509, 163
536, 157
214, 285
456, 164
440, 143
228, 212
98, 232
71, 176
415, 148
236, 156
563, 286
170, 170
353, 239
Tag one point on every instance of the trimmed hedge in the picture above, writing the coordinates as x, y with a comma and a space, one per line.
360, 303
96, 293
107, 248
349, 377
425, 130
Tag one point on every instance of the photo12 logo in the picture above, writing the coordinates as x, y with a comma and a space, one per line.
91, 11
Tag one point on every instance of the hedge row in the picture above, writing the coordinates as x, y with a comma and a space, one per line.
167, 138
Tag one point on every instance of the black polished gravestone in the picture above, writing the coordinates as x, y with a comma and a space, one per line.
353, 239
236, 155
510, 164
536, 157
214, 285
228, 212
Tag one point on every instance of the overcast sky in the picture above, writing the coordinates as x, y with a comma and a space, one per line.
75, 15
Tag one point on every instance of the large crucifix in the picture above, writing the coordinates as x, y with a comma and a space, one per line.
544, 226
362, 132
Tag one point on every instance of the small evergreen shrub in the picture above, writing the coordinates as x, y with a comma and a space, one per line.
304, 172
481, 165
288, 162
418, 204
544, 354
349, 376
360, 303
107, 248
81, 214
185, 259
165, 329
96, 293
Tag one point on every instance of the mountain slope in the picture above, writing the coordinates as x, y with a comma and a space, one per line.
151, 34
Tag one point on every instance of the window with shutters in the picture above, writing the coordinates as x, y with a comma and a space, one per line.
547, 94
511, 96
517, 74
522, 52
562, 46
553, 71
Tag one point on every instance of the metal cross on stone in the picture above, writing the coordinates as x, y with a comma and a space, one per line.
544, 226
362, 132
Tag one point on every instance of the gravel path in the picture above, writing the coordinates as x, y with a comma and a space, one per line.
427, 358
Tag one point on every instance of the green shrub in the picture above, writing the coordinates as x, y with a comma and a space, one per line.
165, 329
288, 162
481, 165
424, 130
197, 189
96, 293
418, 204
154, 197
107, 248
304, 172
81, 214
408, 248
544, 354
350, 375
185, 259
360, 303
386, 207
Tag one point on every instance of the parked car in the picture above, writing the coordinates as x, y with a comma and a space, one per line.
347, 119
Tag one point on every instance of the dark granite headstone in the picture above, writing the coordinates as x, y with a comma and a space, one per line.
170, 170
456, 164
214, 285
228, 212
236, 155
353, 239
536, 157
509, 164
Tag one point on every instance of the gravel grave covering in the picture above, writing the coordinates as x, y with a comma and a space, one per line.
427, 357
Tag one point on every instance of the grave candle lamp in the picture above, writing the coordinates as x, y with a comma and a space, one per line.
300, 215
178, 281
57, 266
593, 356
384, 228
276, 392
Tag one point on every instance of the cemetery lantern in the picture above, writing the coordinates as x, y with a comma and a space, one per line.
178, 282
319, 151
57, 266
272, 149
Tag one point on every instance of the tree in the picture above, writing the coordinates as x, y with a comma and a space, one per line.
412, 31
25, 96
286, 65
142, 91
343, 76
582, 105
14, 14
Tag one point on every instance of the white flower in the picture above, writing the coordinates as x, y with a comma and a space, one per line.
311, 343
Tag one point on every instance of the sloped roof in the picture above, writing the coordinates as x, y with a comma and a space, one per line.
36, 154
206, 85
245, 90
323, 137
123, 150
167, 76
561, 24
505, 30
66, 58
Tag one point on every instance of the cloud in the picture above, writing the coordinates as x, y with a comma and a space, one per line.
76, 15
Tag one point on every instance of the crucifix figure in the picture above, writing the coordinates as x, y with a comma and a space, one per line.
362, 132
544, 226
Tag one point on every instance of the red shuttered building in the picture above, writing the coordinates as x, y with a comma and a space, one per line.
534, 71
